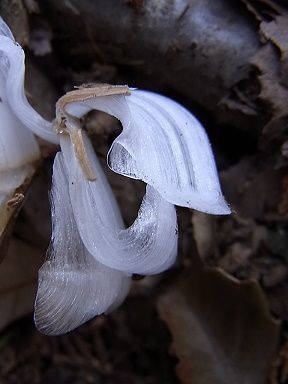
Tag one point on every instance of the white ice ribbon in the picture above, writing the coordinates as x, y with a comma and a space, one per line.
149, 246
12, 67
162, 144
73, 286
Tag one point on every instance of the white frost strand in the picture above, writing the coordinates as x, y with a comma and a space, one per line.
164, 145
73, 286
18, 145
149, 246
12, 59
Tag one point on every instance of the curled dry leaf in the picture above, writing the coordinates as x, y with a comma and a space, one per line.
222, 330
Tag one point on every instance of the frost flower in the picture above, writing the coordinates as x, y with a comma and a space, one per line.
92, 255
152, 147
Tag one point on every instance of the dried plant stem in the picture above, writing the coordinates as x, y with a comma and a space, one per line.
67, 124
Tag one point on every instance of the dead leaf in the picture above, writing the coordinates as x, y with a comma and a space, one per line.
271, 61
276, 31
18, 280
222, 330
249, 178
273, 93
204, 231
240, 244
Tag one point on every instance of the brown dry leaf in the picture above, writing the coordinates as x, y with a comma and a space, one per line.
272, 92
18, 279
252, 177
241, 249
248, 250
222, 330
276, 31
271, 61
233, 244
205, 232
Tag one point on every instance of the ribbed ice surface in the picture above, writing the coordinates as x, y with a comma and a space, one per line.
73, 286
164, 145
148, 246
13, 67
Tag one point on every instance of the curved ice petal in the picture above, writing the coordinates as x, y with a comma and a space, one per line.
148, 246
18, 146
164, 145
12, 66
18, 152
73, 286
